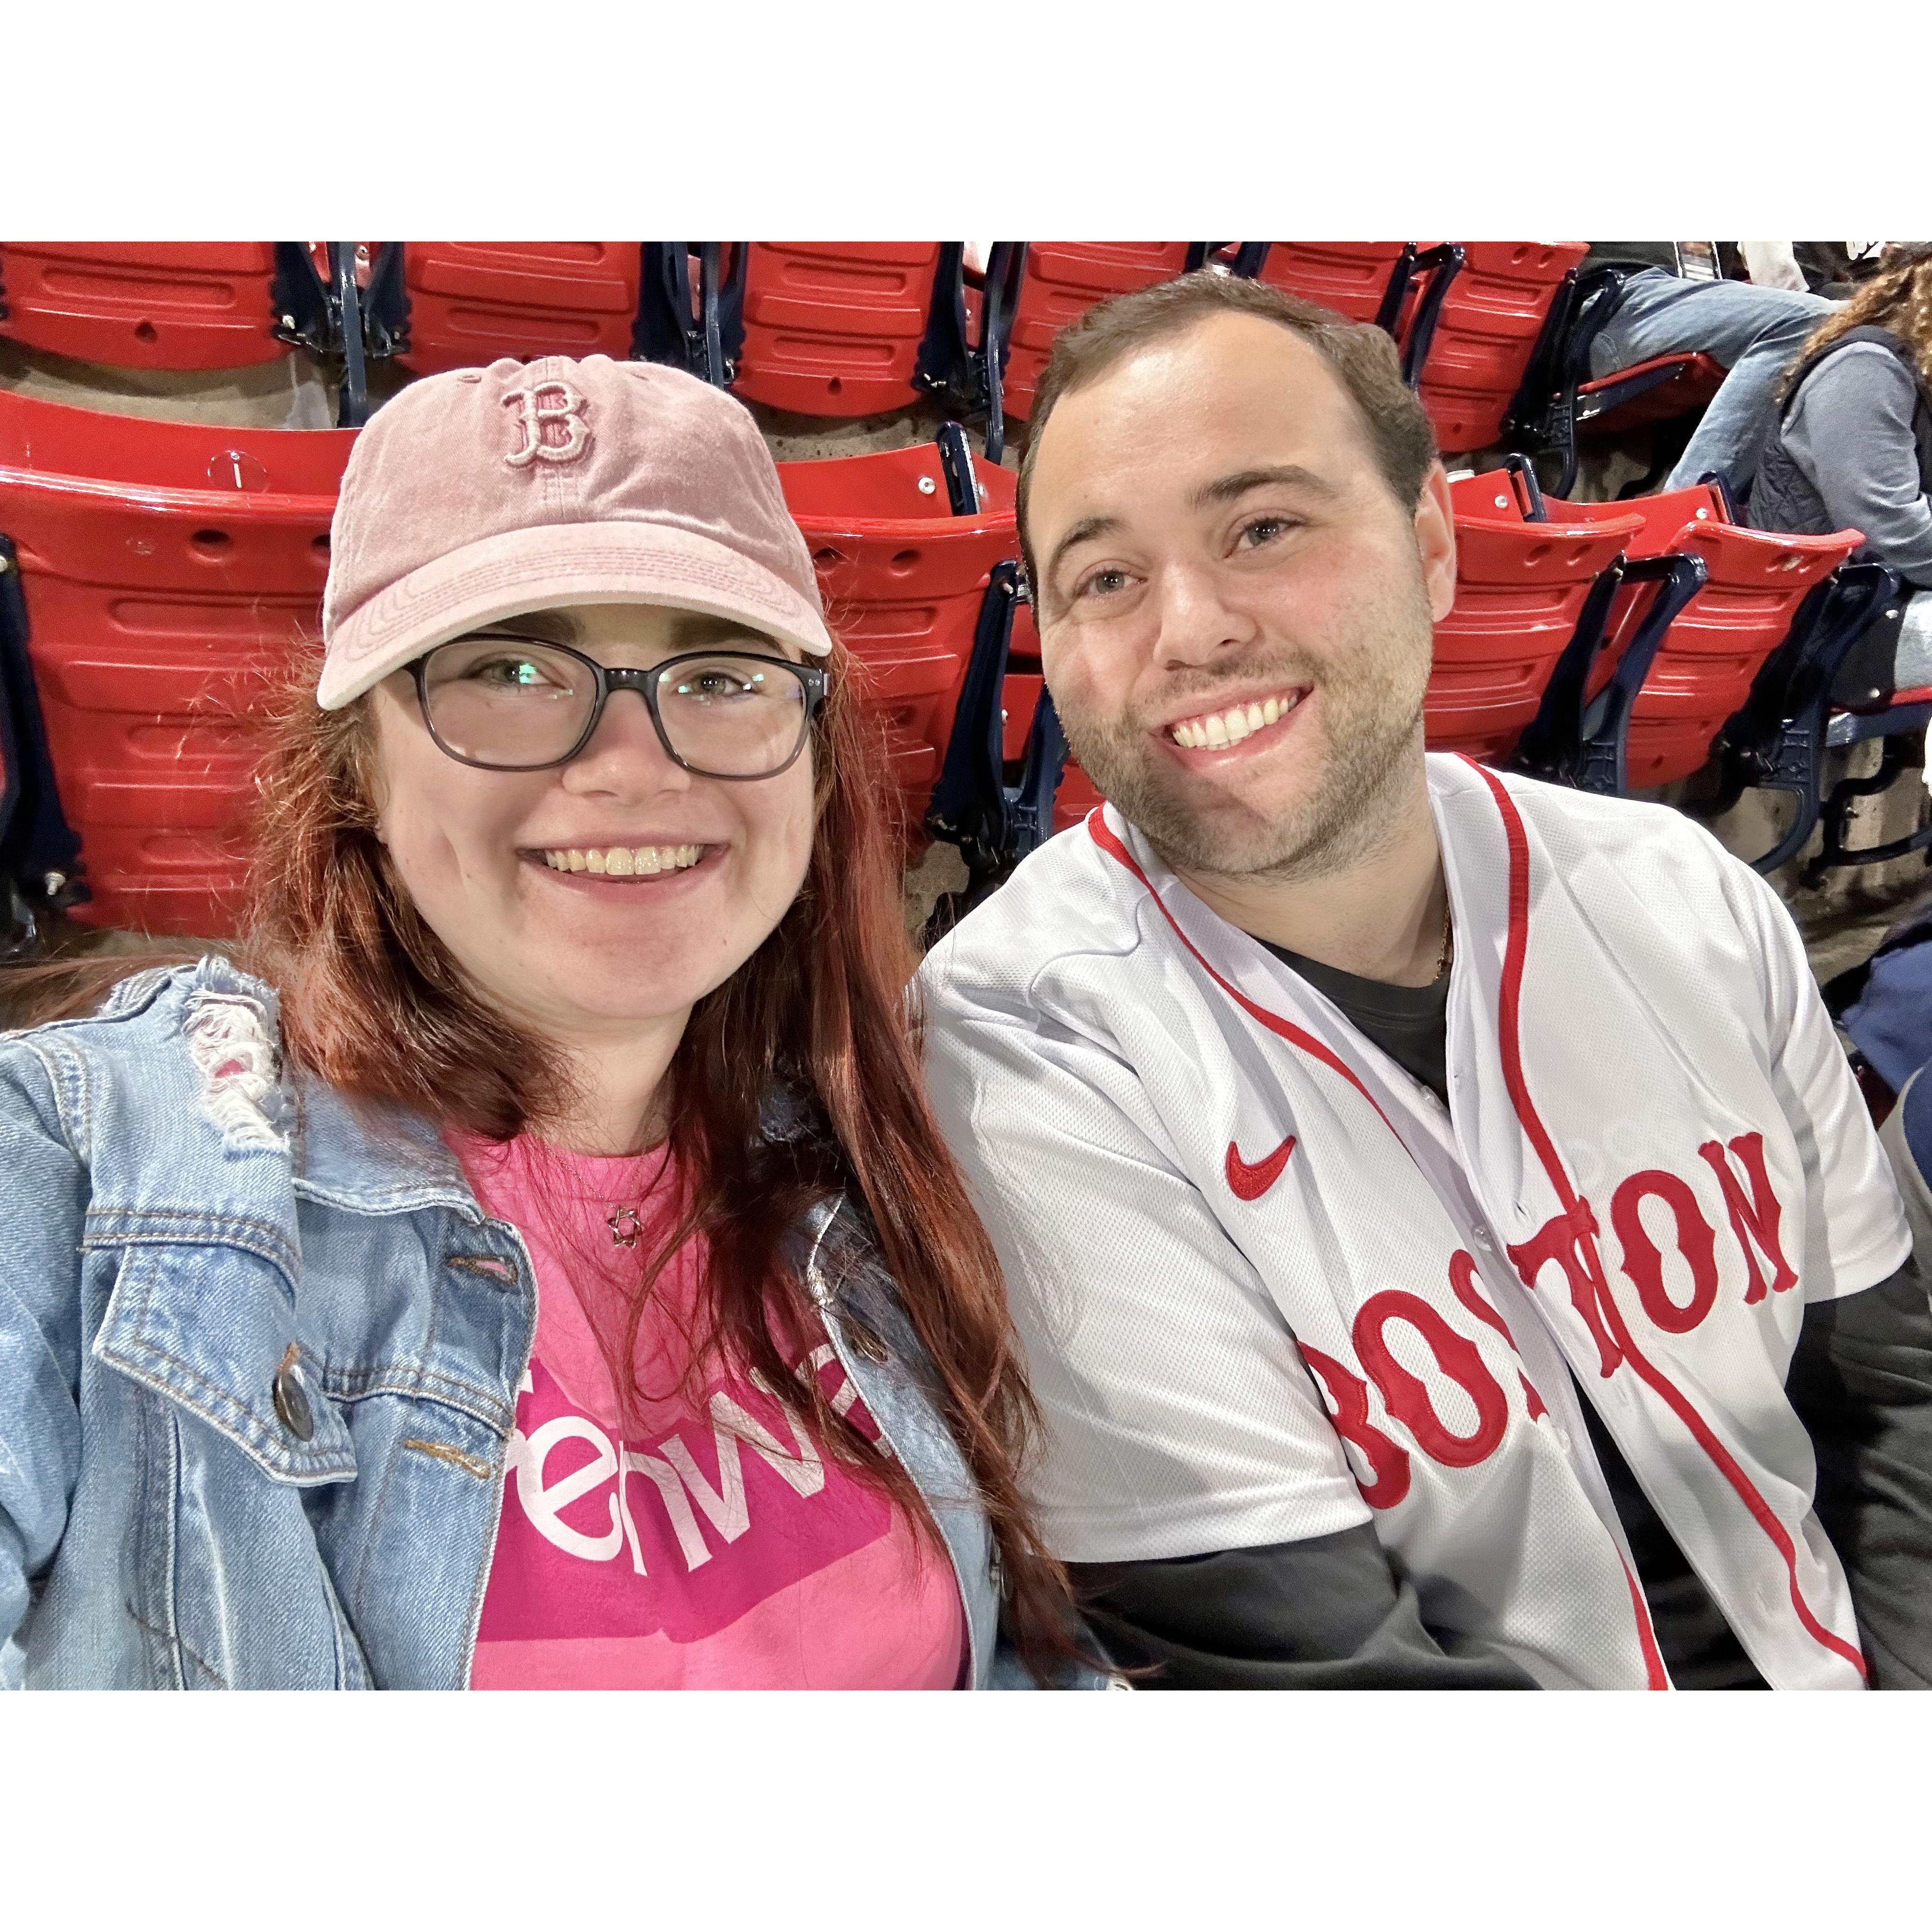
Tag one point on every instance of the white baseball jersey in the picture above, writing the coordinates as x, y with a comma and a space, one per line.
1269, 1288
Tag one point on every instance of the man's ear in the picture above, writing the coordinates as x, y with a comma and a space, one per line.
1435, 541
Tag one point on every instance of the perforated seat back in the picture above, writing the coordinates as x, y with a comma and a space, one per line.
1704, 668
1519, 590
169, 569
143, 304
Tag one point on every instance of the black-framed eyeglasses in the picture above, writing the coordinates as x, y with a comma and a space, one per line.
508, 704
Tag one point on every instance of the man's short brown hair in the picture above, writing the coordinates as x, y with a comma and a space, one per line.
1362, 355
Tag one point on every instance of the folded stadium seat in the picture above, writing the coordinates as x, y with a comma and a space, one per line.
1490, 323
1522, 590
904, 579
1712, 655
167, 569
1060, 281
458, 305
146, 305
828, 329
1557, 395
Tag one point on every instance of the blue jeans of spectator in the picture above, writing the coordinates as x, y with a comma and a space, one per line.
1753, 333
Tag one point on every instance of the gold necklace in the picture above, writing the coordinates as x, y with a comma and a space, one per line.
1448, 939
624, 1226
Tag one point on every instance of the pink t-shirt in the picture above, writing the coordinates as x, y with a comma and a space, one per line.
711, 1545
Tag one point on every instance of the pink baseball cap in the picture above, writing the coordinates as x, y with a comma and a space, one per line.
481, 493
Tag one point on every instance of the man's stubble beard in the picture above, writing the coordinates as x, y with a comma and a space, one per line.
1373, 721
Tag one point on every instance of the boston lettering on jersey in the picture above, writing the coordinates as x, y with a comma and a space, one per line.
1652, 1158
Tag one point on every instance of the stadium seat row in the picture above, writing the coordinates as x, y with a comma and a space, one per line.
1494, 334
153, 577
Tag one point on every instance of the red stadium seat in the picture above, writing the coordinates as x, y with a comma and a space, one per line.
1520, 590
1360, 280
903, 581
828, 328
1489, 324
465, 303
168, 568
144, 305
1652, 391
1711, 654
1060, 282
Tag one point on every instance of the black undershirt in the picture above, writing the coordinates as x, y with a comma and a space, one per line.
1410, 1023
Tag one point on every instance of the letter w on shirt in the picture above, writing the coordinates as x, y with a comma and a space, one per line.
725, 1504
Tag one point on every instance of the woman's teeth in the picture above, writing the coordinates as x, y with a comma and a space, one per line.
625, 861
1230, 727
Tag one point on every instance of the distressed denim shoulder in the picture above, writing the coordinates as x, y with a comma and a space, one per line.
259, 1349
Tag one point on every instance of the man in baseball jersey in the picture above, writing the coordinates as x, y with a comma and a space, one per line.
1449, 1246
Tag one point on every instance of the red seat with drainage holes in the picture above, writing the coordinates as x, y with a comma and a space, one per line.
1519, 590
1704, 667
1061, 281
1488, 325
471, 301
903, 582
143, 304
169, 571
832, 329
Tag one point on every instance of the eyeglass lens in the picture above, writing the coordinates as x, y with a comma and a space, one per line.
499, 703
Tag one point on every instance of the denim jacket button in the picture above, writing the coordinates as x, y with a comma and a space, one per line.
291, 1403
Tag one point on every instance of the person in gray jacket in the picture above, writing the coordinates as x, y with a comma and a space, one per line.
1852, 449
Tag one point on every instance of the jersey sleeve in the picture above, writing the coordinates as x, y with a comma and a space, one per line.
1856, 1230
1180, 1417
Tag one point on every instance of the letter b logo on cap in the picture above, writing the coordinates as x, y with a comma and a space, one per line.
539, 408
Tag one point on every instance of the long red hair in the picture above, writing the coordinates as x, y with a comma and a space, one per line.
373, 1004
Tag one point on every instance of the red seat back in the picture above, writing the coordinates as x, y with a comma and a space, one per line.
168, 569
903, 592
1519, 590
143, 304
471, 301
832, 329
1704, 668
1060, 282
1487, 327
1349, 277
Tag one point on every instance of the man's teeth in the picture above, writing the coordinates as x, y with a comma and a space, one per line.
625, 861
1223, 728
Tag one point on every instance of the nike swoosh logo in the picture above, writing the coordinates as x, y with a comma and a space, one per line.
1251, 1180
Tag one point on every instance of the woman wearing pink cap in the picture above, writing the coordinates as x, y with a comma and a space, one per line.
537, 1267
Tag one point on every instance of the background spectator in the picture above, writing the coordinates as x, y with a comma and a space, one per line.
1852, 449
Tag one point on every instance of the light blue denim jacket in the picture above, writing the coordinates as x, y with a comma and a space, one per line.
176, 1224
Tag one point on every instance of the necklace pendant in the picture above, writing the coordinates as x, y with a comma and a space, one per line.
625, 1227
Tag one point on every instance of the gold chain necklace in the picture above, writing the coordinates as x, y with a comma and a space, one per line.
1448, 939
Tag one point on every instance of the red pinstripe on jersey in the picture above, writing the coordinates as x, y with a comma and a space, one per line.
1508, 1024
1104, 837
1287, 1030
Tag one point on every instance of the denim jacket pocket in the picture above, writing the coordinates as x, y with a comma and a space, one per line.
213, 1329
